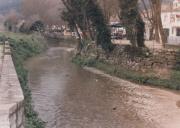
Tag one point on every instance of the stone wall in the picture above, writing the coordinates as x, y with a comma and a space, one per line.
139, 59
11, 95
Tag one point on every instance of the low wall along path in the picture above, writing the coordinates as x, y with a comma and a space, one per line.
11, 95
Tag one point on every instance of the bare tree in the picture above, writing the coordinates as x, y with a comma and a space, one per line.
11, 20
110, 8
47, 10
77, 14
148, 14
152, 12
159, 32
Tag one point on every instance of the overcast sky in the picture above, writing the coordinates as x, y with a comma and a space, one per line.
9, 3
6, 2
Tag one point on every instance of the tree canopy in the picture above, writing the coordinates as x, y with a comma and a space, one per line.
131, 19
88, 16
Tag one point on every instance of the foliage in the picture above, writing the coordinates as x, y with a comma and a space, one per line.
79, 60
88, 14
37, 26
132, 21
11, 21
23, 47
45, 10
9, 25
110, 8
96, 16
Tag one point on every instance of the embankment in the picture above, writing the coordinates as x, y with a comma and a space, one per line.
11, 95
157, 68
21, 48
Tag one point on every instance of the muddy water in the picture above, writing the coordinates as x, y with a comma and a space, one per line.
67, 96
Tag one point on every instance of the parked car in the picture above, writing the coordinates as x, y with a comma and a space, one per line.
117, 36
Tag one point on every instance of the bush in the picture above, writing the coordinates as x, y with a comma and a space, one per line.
37, 26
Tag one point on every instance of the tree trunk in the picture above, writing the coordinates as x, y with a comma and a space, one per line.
80, 42
156, 31
90, 31
159, 31
151, 37
140, 32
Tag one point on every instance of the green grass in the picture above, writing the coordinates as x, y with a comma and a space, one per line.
146, 79
23, 47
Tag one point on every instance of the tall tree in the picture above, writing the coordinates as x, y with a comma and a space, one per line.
152, 13
85, 14
110, 8
159, 32
46, 10
73, 15
132, 20
148, 15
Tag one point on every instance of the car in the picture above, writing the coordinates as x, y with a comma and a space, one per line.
117, 35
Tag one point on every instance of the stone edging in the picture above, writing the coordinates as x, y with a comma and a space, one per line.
11, 94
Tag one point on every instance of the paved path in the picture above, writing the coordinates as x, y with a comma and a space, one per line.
11, 95
1, 57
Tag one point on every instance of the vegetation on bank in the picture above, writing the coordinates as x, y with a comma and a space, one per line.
173, 82
22, 47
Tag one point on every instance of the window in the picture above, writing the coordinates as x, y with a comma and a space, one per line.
166, 31
178, 31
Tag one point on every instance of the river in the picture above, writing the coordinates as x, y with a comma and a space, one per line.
68, 96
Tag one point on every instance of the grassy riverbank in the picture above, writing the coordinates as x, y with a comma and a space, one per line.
173, 82
23, 47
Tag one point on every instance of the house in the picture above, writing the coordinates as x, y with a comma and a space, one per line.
171, 22
170, 15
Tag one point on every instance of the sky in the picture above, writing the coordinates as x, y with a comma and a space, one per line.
6, 5
6, 2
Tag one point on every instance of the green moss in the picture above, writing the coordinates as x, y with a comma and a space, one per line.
23, 47
173, 82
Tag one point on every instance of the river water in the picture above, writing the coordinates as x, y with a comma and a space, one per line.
67, 96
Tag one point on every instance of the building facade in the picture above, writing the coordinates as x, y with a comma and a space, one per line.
171, 22
170, 16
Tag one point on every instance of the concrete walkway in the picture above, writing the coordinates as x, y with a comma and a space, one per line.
11, 95
1, 57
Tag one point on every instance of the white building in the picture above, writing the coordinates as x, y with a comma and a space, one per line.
170, 16
171, 22
176, 4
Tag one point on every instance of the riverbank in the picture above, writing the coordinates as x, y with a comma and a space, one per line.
66, 95
23, 47
172, 82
